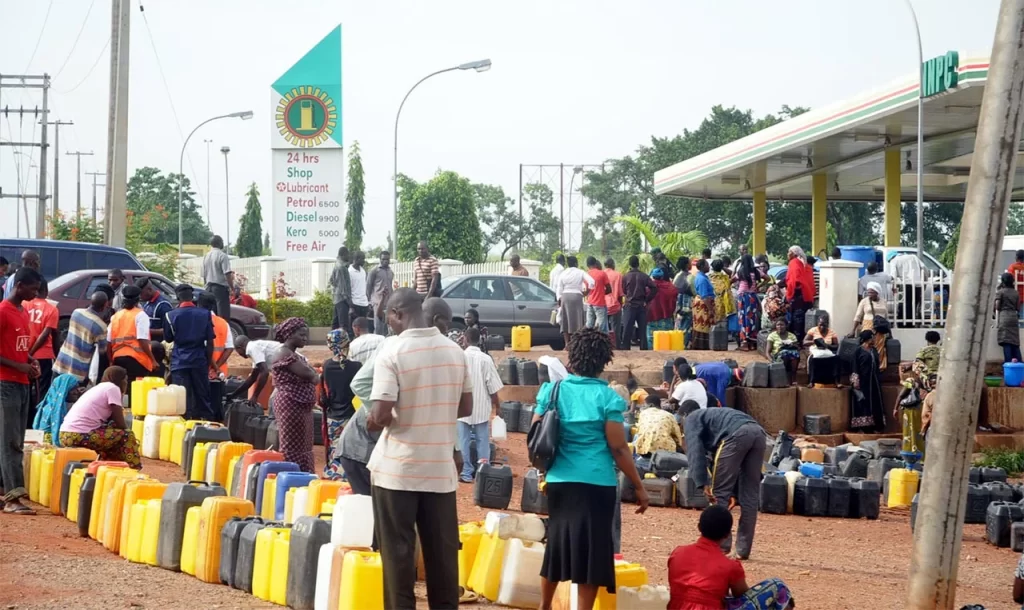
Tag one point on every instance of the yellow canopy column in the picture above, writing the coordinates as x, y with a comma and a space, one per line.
892, 197
760, 223
819, 194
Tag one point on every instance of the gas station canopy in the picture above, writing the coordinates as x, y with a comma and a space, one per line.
847, 144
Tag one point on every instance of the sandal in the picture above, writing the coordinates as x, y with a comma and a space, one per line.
17, 508
467, 597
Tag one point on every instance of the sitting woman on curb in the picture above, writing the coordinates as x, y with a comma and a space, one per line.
581, 483
701, 577
822, 344
784, 347
96, 421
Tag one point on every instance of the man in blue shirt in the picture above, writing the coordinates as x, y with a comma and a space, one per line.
717, 376
191, 330
155, 305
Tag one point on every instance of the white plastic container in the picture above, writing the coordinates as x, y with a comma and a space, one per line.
244, 485
526, 527
645, 597
300, 502
499, 430
211, 465
165, 401
352, 524
150, 440
520, 586
791, 478
180, 398
492, 520
323, 577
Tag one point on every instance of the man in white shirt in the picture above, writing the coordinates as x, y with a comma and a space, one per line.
357, 280
874, 275
413, 474
909, 273
259, 351
569, 290
475, 429
688, 387
366, 342
556, 270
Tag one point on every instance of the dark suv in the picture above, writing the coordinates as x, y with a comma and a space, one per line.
59, 257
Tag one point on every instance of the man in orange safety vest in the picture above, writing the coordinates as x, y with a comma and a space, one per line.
128, 337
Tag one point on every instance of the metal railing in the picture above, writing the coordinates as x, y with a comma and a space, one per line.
925, 303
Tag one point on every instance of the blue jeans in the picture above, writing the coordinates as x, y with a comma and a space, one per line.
469, 434
597, 317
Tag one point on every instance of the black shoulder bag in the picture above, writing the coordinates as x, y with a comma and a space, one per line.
542, 441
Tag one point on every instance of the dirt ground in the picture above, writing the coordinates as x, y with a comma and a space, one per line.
828, 563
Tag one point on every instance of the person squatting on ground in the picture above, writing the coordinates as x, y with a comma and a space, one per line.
701, 577
736, 443
96, 421
582, 481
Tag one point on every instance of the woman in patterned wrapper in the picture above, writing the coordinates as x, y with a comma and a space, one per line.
295, 385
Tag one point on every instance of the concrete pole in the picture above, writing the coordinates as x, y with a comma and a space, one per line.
78, 180
41, 201
940, 517
115, 225
94, 185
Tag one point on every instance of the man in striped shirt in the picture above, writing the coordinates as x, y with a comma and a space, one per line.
87, 330
421, 385
426, 272
477, 427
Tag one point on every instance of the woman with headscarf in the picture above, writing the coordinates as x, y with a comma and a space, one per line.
661, 310
1006, 307
50, 414
867, 413
746, 278
871, 315
822, 344
336, 397
909, 404
295, 393
684, 302
800, 288
703, 309
725, 305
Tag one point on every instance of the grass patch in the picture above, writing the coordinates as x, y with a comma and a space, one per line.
1010, 461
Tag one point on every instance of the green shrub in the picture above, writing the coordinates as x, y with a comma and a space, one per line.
1010, 461
318, 311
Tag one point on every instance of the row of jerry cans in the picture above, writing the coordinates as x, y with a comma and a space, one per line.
794, 493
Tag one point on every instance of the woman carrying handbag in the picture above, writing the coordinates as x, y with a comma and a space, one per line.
578, 437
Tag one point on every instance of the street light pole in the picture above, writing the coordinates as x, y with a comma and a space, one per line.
245, 116
208, 206
920, 134
227, 198
482, 65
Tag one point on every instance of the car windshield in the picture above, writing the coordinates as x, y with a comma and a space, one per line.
448, 281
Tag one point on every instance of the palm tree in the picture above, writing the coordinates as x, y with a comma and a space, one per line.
673, 244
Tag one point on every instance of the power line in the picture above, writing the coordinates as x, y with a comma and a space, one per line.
89, 73
75, 44
39, 38
170, 100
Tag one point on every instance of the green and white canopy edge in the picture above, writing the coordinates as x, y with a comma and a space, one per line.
857, 150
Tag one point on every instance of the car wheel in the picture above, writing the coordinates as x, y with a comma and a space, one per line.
237, 330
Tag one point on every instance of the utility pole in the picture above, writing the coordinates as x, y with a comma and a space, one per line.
941, 508
78, 179
31, 81
56, 163
117, 124
227, 196
94, 185
208, 206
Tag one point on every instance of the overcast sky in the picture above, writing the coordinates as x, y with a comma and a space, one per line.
573, 81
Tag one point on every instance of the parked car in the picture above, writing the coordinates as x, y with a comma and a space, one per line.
504, 301
71, 291
59, 257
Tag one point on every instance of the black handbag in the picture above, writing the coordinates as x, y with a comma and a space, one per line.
542, 441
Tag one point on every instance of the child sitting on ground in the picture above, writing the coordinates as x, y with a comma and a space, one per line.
701, 577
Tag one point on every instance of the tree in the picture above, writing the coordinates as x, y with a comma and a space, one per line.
673, 244
356, 200
78, 228
249, 243
535, 233
150, 191
442, 212
266, 244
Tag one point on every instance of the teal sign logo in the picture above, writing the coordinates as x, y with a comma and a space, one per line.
307, 110
940, 74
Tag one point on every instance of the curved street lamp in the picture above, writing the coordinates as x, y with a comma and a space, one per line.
482, 65
245, 116
920, 134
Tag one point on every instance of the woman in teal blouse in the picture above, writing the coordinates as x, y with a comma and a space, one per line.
581, 484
